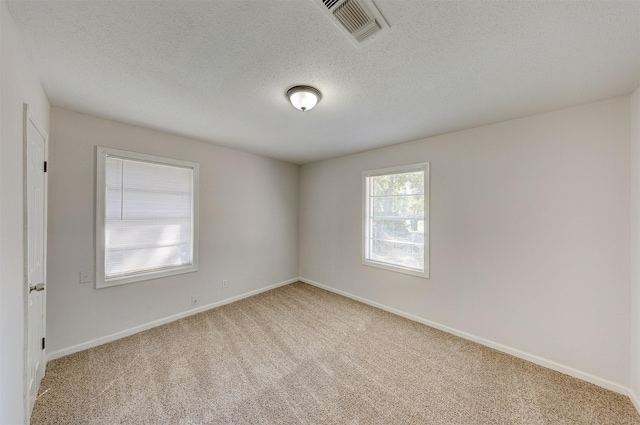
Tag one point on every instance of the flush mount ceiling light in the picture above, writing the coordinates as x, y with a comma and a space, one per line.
303, 98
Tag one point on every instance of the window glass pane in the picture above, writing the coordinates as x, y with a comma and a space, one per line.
397, 253
396, 219
407, 206
398, 230
411, 183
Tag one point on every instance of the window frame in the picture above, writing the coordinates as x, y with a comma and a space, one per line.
101, 155
425, 168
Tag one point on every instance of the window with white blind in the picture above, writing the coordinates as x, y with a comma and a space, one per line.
396, 219
146, 217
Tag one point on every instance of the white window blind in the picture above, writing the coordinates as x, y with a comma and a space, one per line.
149, 218
396, 219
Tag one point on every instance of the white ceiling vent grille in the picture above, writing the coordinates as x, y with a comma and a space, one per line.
330, 3
356, 20
360, 20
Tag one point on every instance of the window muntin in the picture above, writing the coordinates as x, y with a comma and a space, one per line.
396, 219
146, 217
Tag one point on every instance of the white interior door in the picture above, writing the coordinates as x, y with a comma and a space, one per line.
35, 244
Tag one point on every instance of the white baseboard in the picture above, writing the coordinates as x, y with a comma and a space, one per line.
497, 346
500, 347
114, 336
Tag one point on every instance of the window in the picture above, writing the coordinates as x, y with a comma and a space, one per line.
396, 221
146, 217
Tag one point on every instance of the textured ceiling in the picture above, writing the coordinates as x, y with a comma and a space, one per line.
217, 70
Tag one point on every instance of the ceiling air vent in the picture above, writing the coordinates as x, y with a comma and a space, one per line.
356, 20
330, 3
360, 20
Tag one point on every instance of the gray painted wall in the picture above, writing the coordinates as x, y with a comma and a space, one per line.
248, 229
529, 235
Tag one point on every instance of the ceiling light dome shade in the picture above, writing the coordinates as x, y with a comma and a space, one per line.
303, 98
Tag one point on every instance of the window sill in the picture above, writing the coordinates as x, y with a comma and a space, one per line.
397, 269
102, 283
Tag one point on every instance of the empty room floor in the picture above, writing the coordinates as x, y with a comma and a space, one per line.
302, 355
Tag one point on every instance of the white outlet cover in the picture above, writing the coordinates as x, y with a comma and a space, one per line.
85, 276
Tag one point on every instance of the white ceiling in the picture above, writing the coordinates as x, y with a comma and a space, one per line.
218, 70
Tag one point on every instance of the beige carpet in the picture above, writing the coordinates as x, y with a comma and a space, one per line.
301, 355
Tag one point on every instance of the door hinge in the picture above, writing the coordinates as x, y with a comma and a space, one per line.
43, 343
45, 166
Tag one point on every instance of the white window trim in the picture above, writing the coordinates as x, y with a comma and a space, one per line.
423, 166
102, 154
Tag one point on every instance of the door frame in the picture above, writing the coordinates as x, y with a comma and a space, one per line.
27, 119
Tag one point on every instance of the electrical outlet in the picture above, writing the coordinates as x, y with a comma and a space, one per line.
85, 276
224, 283
194, 300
